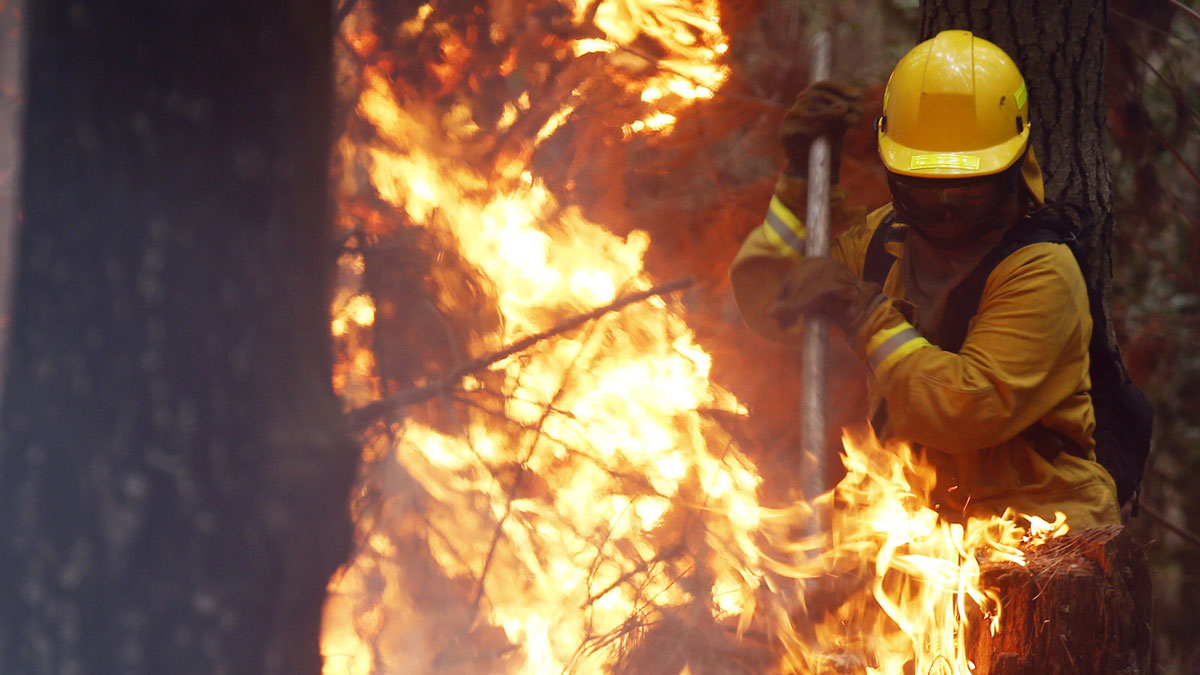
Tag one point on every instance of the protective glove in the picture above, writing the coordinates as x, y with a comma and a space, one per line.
821, 109
824, 287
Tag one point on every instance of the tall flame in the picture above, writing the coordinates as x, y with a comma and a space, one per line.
589, 493
895, 586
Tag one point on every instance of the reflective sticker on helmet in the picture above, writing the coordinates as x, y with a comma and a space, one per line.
943, 161
1021, 96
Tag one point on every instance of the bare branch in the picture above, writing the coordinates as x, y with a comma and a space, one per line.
1176, 94
1185, 9
1157, 29
1174, 153
361, 418
1155, 515
516, 484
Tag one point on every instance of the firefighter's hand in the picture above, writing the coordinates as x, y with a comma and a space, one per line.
824, 287
821, 109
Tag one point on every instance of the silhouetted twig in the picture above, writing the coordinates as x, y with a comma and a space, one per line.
1156, 516
361, 418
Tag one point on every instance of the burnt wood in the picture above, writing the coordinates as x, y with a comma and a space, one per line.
1081, 605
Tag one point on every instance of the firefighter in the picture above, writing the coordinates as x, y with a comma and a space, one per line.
1005, 418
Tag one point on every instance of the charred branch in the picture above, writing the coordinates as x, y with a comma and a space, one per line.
1158, 517
364, 417
515, 488
1193, 14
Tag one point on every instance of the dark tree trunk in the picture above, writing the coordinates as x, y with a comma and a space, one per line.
173, 471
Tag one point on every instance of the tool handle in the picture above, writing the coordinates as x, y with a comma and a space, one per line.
816, 332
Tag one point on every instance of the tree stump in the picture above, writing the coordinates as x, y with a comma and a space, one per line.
1081, 605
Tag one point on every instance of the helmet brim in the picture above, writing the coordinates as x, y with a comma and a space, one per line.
917, 162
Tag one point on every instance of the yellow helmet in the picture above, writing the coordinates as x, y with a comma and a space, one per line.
955, 106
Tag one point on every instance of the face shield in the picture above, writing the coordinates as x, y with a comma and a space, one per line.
950, 210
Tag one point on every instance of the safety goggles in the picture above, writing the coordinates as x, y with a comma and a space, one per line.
969, 201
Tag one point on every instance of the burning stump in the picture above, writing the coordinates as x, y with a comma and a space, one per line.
1080, 605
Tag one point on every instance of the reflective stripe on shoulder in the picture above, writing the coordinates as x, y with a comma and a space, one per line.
784, 230
888, 346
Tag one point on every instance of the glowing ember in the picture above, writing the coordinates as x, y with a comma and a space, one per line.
562, 507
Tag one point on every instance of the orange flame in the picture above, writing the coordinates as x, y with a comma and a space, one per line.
896, 585
596, 493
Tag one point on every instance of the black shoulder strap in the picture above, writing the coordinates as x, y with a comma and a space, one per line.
963, 302
964, 299
878, 262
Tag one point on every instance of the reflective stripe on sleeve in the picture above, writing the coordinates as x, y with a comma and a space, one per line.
784, 230
888, 346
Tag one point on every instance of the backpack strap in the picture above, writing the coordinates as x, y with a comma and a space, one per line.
877, 264
963, 302
878, 261
1124, 416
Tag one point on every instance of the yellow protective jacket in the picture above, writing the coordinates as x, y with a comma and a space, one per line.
1024, 361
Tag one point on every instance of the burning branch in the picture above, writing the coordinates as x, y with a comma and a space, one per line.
362, 418
733, 96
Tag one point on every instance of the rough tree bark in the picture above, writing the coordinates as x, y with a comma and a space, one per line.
1082, 605
173, 470
1079, 606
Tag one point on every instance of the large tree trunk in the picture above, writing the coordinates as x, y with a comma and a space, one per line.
1081, 609
173, 472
